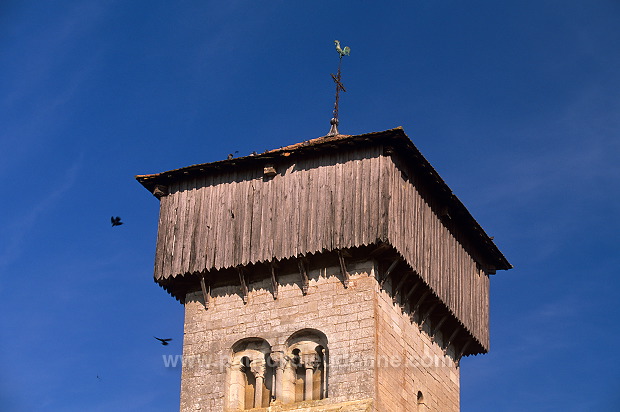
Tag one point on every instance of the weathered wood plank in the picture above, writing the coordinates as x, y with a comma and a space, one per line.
340, 200
257, 211
178, 229
302, 192
197, 238
163, 226
188, 233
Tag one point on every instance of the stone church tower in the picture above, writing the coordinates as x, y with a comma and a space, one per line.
336, 274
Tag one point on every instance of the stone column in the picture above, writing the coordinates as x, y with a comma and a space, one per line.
279, 363
324, 373
258, 369
237, 387
288, 381
309, 362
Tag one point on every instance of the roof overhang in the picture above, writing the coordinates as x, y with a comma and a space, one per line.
395, 142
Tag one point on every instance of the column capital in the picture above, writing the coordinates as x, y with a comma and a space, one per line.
310, 360
258, 368
279, 359
234, 366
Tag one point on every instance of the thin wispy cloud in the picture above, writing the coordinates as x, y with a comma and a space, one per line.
50, 48
16, 233
41, 88
21, 135
567, 152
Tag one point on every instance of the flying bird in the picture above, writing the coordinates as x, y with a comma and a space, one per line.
163, 341
116, 221
343, 52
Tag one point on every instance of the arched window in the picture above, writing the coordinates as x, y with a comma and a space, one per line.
305, 377
420, 402
250, 375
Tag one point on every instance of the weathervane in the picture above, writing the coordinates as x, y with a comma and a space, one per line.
333, 131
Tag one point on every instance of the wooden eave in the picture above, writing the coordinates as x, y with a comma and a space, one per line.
419, 295
395, 139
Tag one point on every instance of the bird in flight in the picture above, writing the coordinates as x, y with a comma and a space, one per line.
116, 221
163, 341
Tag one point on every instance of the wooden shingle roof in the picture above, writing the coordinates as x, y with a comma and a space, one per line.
394, 141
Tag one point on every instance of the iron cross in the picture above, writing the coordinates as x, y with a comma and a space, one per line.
339, 86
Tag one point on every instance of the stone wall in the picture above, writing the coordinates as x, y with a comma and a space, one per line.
345, 316
362, 328
410, 364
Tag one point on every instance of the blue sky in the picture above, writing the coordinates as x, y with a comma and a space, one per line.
516, 104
